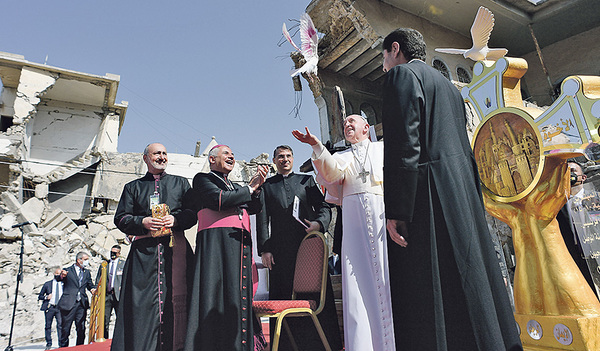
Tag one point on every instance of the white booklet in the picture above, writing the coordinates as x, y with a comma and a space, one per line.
296, 211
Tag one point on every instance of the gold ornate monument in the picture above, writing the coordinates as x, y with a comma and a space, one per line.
521, 155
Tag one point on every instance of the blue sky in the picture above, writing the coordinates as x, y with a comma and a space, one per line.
190, 70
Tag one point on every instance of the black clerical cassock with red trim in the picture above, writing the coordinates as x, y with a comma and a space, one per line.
221, 315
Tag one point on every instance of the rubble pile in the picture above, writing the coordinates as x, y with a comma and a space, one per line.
45, 249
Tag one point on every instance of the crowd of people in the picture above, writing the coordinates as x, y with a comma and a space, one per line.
419, 271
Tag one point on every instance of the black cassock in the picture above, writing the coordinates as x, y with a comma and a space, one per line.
447, 289
221, 317
153, 304
277, 199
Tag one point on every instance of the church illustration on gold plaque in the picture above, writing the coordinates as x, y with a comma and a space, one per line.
521, 154
508, 156
511, 138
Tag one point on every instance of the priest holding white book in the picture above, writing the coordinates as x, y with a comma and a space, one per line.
292, 206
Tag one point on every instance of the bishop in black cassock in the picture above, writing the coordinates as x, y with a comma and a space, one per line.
221, 317
279, 247
447, 289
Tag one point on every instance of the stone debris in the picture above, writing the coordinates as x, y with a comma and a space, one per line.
45, 249
52, 241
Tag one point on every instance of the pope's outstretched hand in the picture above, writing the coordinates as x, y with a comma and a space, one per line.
305, 138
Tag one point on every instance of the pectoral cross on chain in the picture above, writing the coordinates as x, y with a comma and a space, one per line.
363, 175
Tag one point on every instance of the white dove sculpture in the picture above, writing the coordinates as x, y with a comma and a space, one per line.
480, 33
308, 36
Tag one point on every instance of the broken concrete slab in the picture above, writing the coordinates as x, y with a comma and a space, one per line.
106, 220
41, 191
7, 221
10, 201
33, 83
32, 210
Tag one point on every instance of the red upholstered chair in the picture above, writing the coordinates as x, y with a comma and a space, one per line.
310, 277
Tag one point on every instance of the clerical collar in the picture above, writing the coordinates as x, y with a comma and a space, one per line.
220, 174
223, 178
156, 176
285, 175
361, 144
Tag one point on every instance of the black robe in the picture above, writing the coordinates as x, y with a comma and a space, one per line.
221, 317
447, 289
572, 243
154, 296
286, 234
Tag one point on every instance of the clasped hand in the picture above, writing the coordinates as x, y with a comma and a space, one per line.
259, 177
153, 224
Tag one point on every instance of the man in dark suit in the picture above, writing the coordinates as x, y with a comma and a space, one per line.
447, 289
50, 295
565, 221
114, 274
279, 247
74, 302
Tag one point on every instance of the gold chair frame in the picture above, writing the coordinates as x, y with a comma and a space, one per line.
302, 311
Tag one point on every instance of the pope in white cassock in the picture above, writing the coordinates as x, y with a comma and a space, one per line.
354, 180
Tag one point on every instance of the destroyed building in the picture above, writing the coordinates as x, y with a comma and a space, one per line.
61, 171
56, 125
557, 38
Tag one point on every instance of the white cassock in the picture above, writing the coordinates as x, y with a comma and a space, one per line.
368, 323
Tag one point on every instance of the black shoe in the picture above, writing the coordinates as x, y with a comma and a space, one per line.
48, 348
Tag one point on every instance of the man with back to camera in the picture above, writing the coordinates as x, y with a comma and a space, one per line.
114, 273
152, 313
50, 295
74, 302
447, 289
279, 249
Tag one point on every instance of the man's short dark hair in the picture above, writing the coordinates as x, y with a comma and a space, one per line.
578, 163
282, 147
412, 44
118, 247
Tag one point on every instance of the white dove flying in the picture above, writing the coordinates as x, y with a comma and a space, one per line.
480, 33
308, 36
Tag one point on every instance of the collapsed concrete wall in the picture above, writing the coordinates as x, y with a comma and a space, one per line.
54, 123
576, 55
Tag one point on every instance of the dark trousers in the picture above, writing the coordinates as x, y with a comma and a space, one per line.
110, 304
52, 313
77, 314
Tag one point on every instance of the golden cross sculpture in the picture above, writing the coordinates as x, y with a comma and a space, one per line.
521, 154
